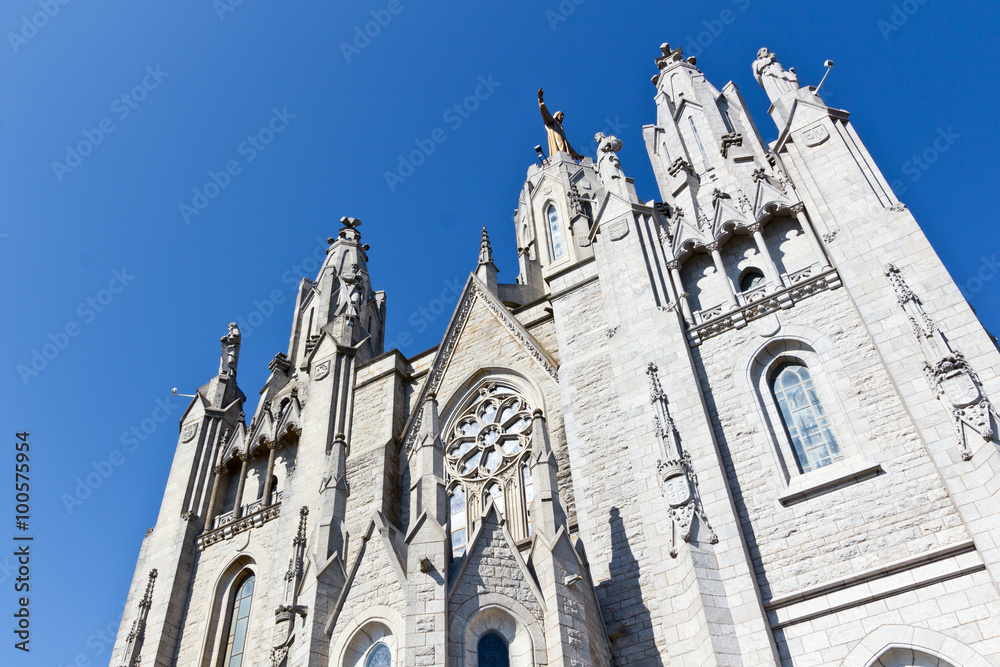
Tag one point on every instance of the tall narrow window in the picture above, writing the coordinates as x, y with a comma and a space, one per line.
805, 419
697, 138
379, 656
236, 641
492, 651
458, 521
529, 492
555, 232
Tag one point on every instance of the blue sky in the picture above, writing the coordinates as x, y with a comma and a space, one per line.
164, 95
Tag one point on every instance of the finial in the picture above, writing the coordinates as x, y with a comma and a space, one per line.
485, 250
349, 232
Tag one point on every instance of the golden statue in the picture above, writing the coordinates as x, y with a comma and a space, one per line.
557, 135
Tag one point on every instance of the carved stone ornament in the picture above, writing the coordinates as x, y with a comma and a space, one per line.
322, 370
617, 229
950, 375
815, 134
189, 431
678, 482
284, 615
954, 381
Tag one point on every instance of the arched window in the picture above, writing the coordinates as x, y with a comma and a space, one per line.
240, 618
805, 419
555, 233
751, 280
487, 454
492, 651
379, 656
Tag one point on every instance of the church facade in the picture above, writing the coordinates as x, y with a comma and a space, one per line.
749, 423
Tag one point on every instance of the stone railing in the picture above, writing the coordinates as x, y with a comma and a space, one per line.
225, 526
801, 284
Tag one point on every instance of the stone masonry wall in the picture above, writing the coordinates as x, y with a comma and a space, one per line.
901, 513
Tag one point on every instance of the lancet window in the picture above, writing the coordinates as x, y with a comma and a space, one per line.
806, 422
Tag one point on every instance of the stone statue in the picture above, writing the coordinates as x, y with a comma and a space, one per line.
557, 136
608, 164
230, 350
773, 78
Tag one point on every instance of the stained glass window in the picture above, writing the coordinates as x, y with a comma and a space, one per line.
805, 419
236, 643
379, 656
458, 521
487, 455
555, 231
492, 651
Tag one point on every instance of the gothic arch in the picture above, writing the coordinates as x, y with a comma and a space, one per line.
491, 612
907, 646
222, 594
801, 345
499, 404
378, 624
467, 391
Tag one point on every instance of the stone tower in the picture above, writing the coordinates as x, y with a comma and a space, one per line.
749, 423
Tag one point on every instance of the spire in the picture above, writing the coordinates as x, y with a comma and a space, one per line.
547, 513
485, 250
487, 270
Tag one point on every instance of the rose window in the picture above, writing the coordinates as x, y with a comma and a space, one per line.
487, 455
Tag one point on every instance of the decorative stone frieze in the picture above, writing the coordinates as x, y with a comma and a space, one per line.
229, 527
716, 320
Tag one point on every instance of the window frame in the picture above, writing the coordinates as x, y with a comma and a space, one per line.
239, 581
510, 481
371, 652
763, 367
777, 371
563, 233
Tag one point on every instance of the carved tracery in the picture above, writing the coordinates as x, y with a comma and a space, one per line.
487, 454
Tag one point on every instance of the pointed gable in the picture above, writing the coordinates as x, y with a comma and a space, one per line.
482, 334
492, 565
377, 576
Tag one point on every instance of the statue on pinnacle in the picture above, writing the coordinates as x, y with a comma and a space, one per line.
557, 135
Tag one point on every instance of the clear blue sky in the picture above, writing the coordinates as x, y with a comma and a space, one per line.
209, 78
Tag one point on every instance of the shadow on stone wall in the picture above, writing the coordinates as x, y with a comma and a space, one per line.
746, 527
628, 620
